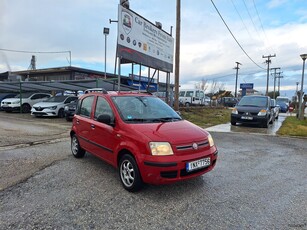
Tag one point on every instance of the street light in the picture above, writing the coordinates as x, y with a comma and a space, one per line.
105, 32
300, 112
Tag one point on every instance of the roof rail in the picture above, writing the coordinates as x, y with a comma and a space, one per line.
102, 90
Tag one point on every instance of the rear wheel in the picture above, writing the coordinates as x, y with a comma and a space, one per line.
129, 173
76, 149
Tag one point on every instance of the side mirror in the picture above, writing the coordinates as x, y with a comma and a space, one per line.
105, 118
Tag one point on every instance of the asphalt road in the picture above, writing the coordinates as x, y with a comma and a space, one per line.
259, 182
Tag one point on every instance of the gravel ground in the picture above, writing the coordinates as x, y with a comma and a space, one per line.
259, 182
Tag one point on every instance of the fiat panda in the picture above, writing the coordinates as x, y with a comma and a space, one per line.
142, 137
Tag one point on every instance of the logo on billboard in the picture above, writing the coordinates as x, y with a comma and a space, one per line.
126, 22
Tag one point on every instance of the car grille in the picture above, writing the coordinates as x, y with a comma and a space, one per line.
190, 146
38, 108
248, 114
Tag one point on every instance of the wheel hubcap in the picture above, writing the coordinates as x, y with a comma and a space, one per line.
127, 173
74, 145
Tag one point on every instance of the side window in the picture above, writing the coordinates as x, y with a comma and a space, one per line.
189, 93
70, 99
103, 107
181, 93
34, 97
86, 106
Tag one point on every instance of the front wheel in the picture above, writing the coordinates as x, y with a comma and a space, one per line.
129, 173
26, 108
76, 149
61, 113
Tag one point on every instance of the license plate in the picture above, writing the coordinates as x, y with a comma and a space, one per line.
246, 118
201, 163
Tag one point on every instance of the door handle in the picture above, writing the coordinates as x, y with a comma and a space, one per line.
77, 121
92, 126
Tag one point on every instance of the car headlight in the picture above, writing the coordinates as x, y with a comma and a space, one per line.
262, 112
160, 148
211, 142
52, 108
234, 111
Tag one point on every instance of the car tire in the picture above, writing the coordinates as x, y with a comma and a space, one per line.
61, 113
26, 108
187, 104
129, 173
76, 149
233, 123
265, 124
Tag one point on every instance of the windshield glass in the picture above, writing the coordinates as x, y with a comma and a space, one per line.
285, 100
56, 99
144, 109
253, 101
23, 95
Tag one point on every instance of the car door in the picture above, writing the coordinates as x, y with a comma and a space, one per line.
83, 122
103, 135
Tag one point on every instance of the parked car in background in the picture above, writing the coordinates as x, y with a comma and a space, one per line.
275, 108
70, 110
25, 101
54, 106
253, 110
229, 101
141, 136
6, 95
281, 99
188, 97
283, 107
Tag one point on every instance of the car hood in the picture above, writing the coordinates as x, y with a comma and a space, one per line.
177, 132
11, 100
251, 109
47, 104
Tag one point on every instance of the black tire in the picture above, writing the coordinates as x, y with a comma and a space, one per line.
129, 174
187, 104
26, 108
61, 113
266, 124
76, 149
233, 123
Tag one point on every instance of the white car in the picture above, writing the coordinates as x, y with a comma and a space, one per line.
54, 106
23, 102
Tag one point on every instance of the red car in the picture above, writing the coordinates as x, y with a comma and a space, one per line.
141, 136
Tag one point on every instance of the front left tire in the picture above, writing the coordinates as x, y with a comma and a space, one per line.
129, 174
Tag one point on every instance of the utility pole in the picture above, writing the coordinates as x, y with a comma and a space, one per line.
237, 69
177, 55
279, 76
274, 80
268, 71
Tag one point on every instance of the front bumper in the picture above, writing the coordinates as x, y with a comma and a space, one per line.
252, 119
173, 169
44, 113
10, 108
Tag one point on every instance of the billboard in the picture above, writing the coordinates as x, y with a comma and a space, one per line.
142, 42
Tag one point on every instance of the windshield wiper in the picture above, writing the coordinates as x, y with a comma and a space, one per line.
166, 119
250, 105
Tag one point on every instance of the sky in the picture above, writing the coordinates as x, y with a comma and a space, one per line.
208, 51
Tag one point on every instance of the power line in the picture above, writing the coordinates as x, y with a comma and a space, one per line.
234, 36
23, 51
251, 17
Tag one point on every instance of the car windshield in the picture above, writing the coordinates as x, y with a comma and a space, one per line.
253, 101
56, 99
279, 100
140, 109
23, 95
